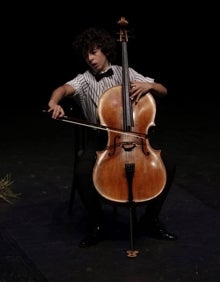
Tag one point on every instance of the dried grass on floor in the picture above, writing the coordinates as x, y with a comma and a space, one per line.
6, 192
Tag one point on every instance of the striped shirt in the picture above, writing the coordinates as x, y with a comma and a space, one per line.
88, 90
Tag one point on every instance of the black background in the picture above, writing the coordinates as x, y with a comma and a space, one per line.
174, 43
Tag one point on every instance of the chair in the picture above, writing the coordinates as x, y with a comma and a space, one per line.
79, 143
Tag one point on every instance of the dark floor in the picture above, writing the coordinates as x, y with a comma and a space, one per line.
39, 241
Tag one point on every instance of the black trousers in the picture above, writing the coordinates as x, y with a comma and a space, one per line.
96, 140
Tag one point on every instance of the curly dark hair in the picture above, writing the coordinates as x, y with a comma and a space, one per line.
95, 37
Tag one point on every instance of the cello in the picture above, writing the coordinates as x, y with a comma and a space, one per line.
128, 171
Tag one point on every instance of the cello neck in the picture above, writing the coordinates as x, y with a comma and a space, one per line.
127, 108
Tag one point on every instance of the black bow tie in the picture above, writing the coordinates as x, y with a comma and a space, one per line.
99, 76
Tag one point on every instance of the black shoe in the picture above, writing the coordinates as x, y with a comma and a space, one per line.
97, 235
154, 229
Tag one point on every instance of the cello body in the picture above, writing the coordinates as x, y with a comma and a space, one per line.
128, 169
